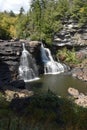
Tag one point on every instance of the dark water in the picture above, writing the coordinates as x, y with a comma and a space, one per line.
58, 84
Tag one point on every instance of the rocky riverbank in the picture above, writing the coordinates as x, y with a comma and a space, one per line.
80, 70
73, 35
79, 98
10, 84
10, 52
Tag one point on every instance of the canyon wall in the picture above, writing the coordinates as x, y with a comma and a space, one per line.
10, 51
9, 60
71, 34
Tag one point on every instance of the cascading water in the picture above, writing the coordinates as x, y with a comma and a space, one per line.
27, 69
50, 66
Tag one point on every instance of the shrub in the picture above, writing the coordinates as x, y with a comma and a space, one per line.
68, 56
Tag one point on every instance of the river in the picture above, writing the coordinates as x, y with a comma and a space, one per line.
58, 84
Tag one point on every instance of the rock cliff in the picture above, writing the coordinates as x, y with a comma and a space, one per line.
71, 34
10, 52
9, 59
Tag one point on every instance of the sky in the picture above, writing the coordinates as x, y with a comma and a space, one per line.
14, 5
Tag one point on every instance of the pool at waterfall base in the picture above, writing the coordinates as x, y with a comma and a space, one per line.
58, 84
56, 77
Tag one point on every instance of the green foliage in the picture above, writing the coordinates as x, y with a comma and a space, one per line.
68, 56
43, 20
46, 16
4, 34
7, 26
22, 29
21, 11
63, 9
12, 14
3, 103
43, 111
79, 9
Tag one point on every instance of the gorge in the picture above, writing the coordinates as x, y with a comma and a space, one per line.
11, 51
43, 66
45, 104
12, 54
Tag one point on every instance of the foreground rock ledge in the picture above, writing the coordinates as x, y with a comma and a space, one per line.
11, 94
79, 98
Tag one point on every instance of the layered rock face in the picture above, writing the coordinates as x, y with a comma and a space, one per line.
10, 52
9, 60
71, 35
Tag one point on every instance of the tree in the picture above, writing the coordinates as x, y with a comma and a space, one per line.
79, 8
22, 26
12, 14
4, 34
36, 18
63, 9
21, 11
43, 20
7, 26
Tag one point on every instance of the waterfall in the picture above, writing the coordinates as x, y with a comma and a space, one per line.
27, 69
50, 66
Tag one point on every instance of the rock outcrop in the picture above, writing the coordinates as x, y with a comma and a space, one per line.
9, 59
71, 35
73, 92
80, 71
10, 52
79, 98
11, 94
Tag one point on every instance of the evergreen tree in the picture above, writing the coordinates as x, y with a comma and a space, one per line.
12, 14
21, 11
79, 9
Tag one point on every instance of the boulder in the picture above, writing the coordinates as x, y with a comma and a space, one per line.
82, 100
73, 92
79, 98
34, 43
12, 94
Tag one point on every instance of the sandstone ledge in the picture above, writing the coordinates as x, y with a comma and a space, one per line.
12, 94
79, 98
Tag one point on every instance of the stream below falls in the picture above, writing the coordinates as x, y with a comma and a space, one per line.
58, 84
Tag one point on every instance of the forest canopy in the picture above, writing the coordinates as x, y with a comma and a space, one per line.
43, 19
